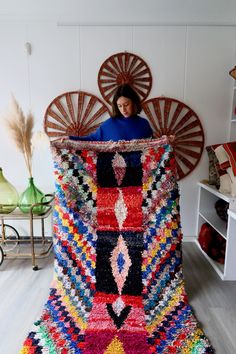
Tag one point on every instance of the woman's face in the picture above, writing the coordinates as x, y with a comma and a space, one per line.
125, 106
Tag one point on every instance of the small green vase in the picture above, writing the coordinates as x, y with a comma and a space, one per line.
8, 195
30, 196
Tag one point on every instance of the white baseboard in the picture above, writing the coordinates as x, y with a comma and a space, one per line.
189, 238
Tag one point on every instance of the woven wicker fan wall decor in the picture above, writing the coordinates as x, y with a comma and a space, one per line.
80, 113
233, 73
74, 113
169, 116
124, 68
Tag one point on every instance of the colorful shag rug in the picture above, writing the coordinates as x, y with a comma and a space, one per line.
118, 285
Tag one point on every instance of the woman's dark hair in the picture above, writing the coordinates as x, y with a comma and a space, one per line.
126, 91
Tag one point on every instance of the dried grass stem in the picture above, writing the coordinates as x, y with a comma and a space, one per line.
21, 130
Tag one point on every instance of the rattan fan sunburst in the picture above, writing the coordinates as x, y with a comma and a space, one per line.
169, 116
74, 113
233, 73
124, 68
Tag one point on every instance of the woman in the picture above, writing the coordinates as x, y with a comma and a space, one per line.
125, 124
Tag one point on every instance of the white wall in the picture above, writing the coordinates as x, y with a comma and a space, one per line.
189, 59
111, 11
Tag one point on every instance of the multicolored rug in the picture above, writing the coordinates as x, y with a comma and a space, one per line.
118, 286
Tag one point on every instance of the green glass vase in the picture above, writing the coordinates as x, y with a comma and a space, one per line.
8, 195
30, 196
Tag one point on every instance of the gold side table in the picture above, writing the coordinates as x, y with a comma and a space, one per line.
11, 242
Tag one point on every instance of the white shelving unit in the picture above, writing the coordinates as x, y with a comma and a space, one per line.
207, 197
233, 115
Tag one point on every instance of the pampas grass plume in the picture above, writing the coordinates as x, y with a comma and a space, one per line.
21, 130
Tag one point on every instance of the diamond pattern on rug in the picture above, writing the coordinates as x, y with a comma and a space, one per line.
108, 272
119, 209
120, 263
119, 169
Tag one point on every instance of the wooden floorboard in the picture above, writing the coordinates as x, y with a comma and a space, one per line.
23, 293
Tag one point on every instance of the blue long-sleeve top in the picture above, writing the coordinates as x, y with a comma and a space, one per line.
120, 128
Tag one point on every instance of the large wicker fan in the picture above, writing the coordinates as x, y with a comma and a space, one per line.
74, 113
169, 116
124, 68
233, 73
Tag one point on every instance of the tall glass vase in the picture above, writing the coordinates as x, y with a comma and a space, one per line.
30, 196
8, 195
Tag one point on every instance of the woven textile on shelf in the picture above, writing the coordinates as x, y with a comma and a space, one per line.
118, 286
